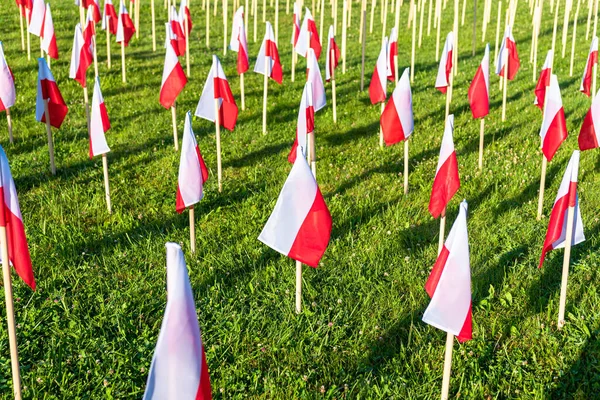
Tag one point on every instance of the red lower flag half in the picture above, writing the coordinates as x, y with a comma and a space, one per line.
8, 93
300, 225
331, 63
449, 284
442, 81
81, 57
586, 80
125, 26
110, 19
48, 35
306, 122
566, 197
543, 81
589, 135
378, 84
11, 219
173, 79
508, 54
554, 124
238, 42
47, 90
479, 98
268, 61
99, 123
178, 369
397, 121
446, 182
391, 55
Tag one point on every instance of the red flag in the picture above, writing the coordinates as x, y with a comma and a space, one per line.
173, 79
238, 41
99, 123
308, 37
306, 122
185, 15
508, 45
442, 80
125, 26
378, 85
268, 57
192, 170
110, 19
586, 81
392, 53
589, 135
331, 63
479, 99
81, 57
554, 125
48, 90
397, 122
48, 35
446, 182
178, 31
8, 93
543, 81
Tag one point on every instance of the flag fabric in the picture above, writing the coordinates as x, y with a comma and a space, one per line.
47, 89
125, 26
305, 124
479, 98
184, 14
442, 81
446, 182
95, 6
8, 93
36, 17
217, 88
296, 24
177, 28
89, 30
397, 122
313, 75
566, 197
48, 35
300, 225
331, 63
99, 123
508, 45
392, 52
192, 170
589, 134
586, 80
543, 81
378, 84
178, 369
449, 284
173, 79
109, 18
554, 125
238, 42
309, 36
170, 38
81, 57
268, 57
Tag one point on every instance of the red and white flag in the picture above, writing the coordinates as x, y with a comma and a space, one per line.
543, 81
11, 219
331, 63
178, 31
81, 57
125, 26
268, 61
309, 36
565, 198
47, 89
396, 120
170, 38
378, 85
96, 16
217, 88
89, 31
48, 35
508, 45
36, 18
109, 18
296, 24
173, 79
449, 284
8, 93
192, 170
479, 98
178, 369
589, 135
446, 182
586, 80
300, 225
442, 81
554, 125
99, 123
392, 52
184, 14
305, 124
238, 42
313, 75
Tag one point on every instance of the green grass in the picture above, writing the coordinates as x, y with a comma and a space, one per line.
89, 330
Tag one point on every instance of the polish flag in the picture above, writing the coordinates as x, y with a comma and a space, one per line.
184, 14
192, 170
7, 83
565, 198
170, 38
238, 42
378, 85
509, 45
36, 18
590, 129
543, 81
178, 369
27, 5
99, 123
331, 63
48, 35
442, 81
217, 88
309, 36
47, 89
11, 219
305, 124
81, 57
586, 80
300, 225
125, 26
173, 79
479, 98
96, 16
554, 125
296, 24
449, 284
397, 122
446, 182
110, 19
392, 52
268, 57
89, 30
313, 75
177, 29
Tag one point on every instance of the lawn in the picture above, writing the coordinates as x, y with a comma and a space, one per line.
90, 328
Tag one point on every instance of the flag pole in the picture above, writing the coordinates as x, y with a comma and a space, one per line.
405, 163
242, 91
266, 81
299, 284
187, 45
344, 30
364, 40
455, 44
438, 18
27, 13
363, 4
542, 185
534, 35
106, 185
87, 107
380, 129
498, 31
9, 122
108, 61
333, 95
22, 30
421, 22
442, 230
137, 19
481, 136
174, 120
246, 12
385, 13
447, 365
192, 230
322, 20
208, 23
589, 19
153, 25
123, 61
218, 137
574, 36
372, 16
255, 8
462, 18
412, 53
504, 83
95, 55
595, 68
225, 26
277, 20
50, 141
429, 18
565, 270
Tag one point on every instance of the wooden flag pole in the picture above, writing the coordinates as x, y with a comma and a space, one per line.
372, 15
322, 20
266, 83
574, 37
264, 11
299, 286
192, 230
95, 55
412, 53
442, 231
9, 123
208, 23
542, 187
565, 270
595, 68
108, 60
287, 6
27, 12
449, 94
504, 84
255, 2
464, 9
498, 30
565, 29
218, 137
22, 29
87, 107
344, 31
153, 25
123, 61
313, 154
225, 26
216, 3
333, 95
137, 19
350, 13
429, 18
589, 19
242, 91
397, 17
555, 26
534, 40
364, 43
246, 12
362, 19
438, 18
174, 121
421, 22
106, 185
406, 166
50, 141
187, 45
455, 44
481, 135
277, 20
385, 13
447, 366
380, 129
